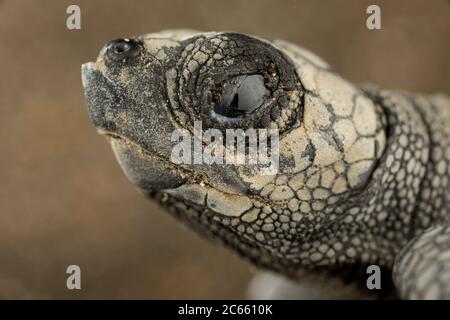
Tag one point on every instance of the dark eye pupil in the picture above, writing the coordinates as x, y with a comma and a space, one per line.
241, 95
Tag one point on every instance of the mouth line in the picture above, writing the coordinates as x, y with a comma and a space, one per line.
190, 176
185, 173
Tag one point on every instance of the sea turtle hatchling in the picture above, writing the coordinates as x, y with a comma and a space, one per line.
363, 173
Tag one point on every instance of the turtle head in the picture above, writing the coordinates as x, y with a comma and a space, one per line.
257, 142
147, 94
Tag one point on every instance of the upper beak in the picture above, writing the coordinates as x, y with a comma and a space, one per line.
99, 95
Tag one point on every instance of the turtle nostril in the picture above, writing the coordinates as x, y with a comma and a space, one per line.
122, 50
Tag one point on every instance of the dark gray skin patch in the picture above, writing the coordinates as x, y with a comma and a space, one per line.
362, 173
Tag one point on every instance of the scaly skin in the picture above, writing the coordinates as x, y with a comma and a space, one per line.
362, 170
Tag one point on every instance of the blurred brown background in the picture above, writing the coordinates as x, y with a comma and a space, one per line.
63, 198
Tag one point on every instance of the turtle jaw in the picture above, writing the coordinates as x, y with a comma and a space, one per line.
147, 171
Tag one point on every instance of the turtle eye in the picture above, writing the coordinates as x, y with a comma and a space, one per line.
233, 81
239, 96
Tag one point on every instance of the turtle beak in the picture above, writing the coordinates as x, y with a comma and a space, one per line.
92, 78
100, 95
147, 172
